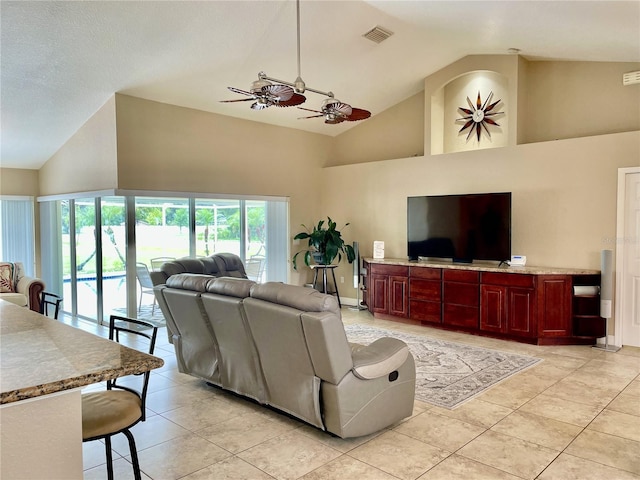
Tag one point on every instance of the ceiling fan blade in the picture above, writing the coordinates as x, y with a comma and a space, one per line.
237, 100
296, 99
241, 92
358, 114
310, 110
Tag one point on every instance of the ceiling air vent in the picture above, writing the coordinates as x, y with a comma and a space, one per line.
631, 78
377, 34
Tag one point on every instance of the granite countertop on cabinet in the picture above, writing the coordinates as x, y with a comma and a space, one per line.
40, 356
484, 267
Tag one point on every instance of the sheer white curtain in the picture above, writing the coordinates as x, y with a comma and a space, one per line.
17, 242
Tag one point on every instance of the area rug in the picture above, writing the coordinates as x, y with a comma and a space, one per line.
447, 373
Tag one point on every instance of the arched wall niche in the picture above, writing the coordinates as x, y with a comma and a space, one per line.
445, 116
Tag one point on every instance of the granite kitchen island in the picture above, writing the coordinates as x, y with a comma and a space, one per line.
43, 366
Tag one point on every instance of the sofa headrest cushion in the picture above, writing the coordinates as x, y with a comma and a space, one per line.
218, 264
190, 281
229, 262
302, 298
232, 287
210, 266
183, 265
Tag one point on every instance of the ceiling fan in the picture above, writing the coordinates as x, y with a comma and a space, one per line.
334, 111
267, 92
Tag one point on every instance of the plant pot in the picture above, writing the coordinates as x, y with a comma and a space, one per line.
318, 257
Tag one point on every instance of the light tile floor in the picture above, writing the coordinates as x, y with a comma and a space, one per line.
576, 415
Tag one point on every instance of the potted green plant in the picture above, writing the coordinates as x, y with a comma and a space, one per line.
325, 244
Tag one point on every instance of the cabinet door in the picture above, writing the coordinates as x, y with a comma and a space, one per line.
378, 293
460, 298
520, 312
554, 306
493, 308
425, 312
398, 296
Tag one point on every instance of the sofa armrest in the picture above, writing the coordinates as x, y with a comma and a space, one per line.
158, 278
32, 288
379, 358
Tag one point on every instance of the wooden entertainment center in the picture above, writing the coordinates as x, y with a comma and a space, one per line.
528, 304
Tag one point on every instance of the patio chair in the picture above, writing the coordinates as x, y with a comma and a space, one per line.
157, 262
146, 284
254, 268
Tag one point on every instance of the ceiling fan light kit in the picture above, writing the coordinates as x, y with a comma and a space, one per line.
267, 91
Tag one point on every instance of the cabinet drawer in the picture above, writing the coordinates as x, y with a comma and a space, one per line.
461, 276
425, 311
461, 294
508, 279
388, 270
426, 273
461, 316
425, 289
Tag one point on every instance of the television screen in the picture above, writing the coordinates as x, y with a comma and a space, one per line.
460, 227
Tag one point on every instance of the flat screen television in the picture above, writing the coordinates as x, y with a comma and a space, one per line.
462, 228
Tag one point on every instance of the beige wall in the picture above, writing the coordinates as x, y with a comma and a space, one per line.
547, 101
397, 132
87, 161
18, 181
164, 147
579, 99
564, 195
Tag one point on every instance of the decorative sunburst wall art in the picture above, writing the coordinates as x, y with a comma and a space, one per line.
478, 116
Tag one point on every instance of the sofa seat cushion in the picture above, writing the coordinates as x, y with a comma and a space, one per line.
15, 298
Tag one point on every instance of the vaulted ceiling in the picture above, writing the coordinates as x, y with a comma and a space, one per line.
61, 61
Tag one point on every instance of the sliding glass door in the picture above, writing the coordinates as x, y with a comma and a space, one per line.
86, 248
217, 226
103, 240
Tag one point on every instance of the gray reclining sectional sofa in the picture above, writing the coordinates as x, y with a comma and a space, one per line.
285, 346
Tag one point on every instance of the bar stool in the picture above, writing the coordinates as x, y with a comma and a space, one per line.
50, 301
117, 409
324, 285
